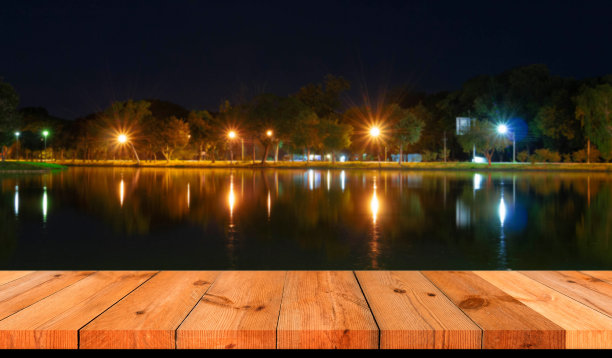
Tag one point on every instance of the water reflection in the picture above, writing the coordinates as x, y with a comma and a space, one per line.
44, 204
121, 192
16, 200
362, 220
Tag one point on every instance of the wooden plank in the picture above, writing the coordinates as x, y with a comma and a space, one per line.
8, 276
53, 323
149, 316
31, 288
584, 327
586, 289
325, 310
413, 314
602, 275
239, 311
506, 322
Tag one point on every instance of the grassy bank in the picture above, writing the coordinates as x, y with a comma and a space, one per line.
14, 166
599, 167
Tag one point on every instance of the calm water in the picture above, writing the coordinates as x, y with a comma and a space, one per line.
104, 218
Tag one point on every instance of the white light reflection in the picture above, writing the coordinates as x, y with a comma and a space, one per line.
374, 205
501, 210
188, 196
477, 181
16, 200
310, 179
342, 179
44, 205
328, 180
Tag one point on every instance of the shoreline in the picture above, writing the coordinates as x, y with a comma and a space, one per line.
451, 166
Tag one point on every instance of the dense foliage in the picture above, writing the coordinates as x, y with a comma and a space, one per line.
550, 118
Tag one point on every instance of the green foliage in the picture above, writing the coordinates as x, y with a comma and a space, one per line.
580, 156
336, 135
429, 156
522, 156
594, 110
545, 155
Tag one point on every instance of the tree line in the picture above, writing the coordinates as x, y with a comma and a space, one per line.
550, 118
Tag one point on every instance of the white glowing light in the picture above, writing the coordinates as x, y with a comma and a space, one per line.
16, 200
477, 181
121, 192
122, 138
477, 159
44, 205
502, 211
502, 129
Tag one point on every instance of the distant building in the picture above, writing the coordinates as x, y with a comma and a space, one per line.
407, 157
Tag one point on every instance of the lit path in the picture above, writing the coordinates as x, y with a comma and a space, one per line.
305, 309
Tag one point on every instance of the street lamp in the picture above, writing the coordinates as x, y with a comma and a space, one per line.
17, 143
45, 133
122, 139
231, 135
504, 130
375, 133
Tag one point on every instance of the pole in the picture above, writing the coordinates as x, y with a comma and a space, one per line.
513, 148
135, 154
444, 146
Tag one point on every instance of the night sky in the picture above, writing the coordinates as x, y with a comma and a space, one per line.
75, 57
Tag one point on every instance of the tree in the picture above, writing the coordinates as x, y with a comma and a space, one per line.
407, 125
483, 135
9, 116
201, 129
324, 99
307, 133
336, 136
172, 135
594, 111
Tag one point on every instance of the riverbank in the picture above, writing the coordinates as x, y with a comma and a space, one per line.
28, 167
592, 167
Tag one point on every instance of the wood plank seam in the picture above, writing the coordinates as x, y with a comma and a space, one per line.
280, 308
109, 307
564, 294
191, 310
42, 298
369, 307
482, 338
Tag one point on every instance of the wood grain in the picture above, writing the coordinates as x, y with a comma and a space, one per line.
602, 275
584, 288
239, 311
584, 327
8, 276
149, 316
26, 290
54, 322
325, 309
413, 314
506, 322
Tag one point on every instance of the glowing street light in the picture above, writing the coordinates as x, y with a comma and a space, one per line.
504, 130
17, 134
123, 139
374, 132
231, 135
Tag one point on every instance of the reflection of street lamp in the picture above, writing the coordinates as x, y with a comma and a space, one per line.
504, 130
122, 139
17, 143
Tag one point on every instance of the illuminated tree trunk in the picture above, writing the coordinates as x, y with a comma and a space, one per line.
401, 152
588, 151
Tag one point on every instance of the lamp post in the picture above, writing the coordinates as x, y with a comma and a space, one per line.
17, 143
504, 130
45, 133
231, 135
375, 133
122, 139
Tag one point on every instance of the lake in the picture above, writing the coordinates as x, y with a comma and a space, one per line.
126, 218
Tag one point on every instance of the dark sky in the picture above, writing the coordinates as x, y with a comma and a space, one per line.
75, 57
